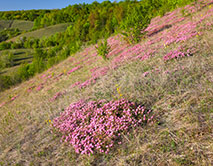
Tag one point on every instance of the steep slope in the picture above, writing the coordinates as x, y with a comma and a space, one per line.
169, 72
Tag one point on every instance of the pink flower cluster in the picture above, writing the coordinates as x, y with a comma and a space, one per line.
14, 97
75, 84
145, 74
178, 53
43, 76
208, 26
30, 89
40, 87
98, 72
57, 95
97, 126
87, 83
74, 69
2, 104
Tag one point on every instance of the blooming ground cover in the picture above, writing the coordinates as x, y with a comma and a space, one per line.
96, 126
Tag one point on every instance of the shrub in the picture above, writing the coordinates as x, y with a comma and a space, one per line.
8, 33
135, 22
5, 82
97, 125
5, 45
10, 59
7, 60
103, 49
23, 73
51, 61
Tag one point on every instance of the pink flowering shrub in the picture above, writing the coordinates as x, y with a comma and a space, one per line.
74, 69
14, 97
97, 126
178, 53
30, 89
75, 84
145, 74
87, 83
40, 87
57, 95
98, 72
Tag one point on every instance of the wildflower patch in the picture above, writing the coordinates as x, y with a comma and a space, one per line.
97, 126
178, 53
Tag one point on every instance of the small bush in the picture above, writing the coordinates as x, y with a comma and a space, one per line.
8, 33
103, 49
5, 45
7, 60
5, 82
135, 22
25, 71
97, 126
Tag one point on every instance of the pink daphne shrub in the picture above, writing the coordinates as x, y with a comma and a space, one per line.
96, 126
178, 53
74, 69
57, 95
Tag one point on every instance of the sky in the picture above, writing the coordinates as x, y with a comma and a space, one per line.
6, 5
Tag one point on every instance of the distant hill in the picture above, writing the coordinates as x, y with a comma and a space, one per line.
20, 24
48, 31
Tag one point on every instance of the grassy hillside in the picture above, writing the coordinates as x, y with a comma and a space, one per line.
5, 24
20, 24
22, 55
44, 32
169, 72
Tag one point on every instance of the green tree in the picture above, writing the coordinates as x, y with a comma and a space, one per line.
134, 23
6, 60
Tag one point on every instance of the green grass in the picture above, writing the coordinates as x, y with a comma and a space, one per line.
44, 32
5, 24
22, 25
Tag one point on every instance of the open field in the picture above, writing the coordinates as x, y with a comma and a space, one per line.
20, 24
170, 72
44, 32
